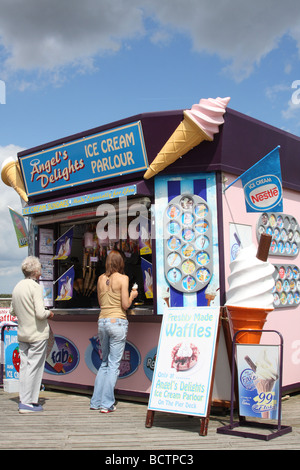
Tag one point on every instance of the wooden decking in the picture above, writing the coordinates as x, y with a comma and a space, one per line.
67, 423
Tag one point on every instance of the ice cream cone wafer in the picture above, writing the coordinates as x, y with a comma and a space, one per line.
184, 138
11, 176
200, 123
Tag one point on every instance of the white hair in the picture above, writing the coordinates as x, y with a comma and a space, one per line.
30, 266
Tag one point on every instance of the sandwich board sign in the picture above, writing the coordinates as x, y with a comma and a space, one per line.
185, 363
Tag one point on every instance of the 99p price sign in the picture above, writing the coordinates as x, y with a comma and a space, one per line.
258, 372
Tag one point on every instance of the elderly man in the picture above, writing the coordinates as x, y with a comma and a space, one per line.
33, 333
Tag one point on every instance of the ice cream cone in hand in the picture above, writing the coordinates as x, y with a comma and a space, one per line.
200, 123
11, 176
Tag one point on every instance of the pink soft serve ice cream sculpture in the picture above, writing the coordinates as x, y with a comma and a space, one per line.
201, 122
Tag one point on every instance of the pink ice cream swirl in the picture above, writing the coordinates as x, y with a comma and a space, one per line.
208, 114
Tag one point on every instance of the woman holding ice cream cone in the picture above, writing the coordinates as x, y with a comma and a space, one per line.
114, 300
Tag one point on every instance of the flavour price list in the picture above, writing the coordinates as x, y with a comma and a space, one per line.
188, 259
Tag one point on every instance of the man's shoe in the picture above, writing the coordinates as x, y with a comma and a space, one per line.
31, 408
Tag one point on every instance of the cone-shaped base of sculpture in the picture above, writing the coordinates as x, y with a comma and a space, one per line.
243, 318
11, 176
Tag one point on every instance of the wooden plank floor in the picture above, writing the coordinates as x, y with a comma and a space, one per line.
67, 423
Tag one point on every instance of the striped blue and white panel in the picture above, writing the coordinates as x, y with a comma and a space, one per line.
166, 189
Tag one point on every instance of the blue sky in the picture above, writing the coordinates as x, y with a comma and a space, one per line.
69, 66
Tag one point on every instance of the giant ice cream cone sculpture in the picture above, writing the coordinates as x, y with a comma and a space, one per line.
11, 176
249, 297
200, 123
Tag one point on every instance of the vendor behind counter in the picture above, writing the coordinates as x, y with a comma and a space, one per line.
87, 298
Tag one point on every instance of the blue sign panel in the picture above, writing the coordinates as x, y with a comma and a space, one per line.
81, 200
11, 353
262, 184
105, 155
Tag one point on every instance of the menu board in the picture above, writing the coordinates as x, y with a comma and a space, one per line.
285, 232
184, 365
188, 255
46, 242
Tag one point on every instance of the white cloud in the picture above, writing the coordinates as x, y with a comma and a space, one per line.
11, 255
241, 33
43, 35
287, 97
273, 91
291, 111
46, 35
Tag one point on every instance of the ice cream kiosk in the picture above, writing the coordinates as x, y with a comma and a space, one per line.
154, 186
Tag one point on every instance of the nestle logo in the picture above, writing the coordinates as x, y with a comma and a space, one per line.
2, 92
267, 194
263, 192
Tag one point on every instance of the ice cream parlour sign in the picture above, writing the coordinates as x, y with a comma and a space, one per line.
105, 155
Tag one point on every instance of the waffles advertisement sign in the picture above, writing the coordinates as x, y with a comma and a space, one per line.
183, 371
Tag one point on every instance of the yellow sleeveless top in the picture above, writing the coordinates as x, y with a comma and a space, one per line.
110, 304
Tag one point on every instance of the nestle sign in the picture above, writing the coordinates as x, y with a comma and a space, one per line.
263, 194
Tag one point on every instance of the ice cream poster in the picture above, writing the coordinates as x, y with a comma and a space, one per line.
20, 228
258, 373
46, 241
47, 292
65, 285
64, 245
147, 277
183, 373
11, 353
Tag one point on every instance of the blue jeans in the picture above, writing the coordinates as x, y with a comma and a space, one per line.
112, 334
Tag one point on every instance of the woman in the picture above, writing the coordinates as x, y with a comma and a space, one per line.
33, 333
114, 300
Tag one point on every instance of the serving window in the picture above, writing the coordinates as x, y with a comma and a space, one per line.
87, 237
